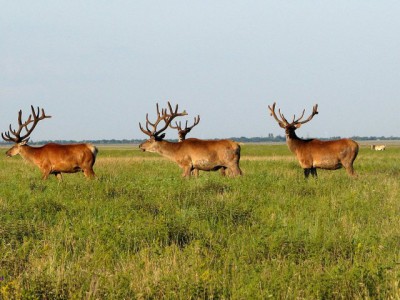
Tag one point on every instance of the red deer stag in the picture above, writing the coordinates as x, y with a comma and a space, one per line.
313, 153
191, 154
50, 158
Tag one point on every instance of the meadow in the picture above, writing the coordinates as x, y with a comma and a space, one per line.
140, 231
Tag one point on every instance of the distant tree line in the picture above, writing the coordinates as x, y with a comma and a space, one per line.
270, 138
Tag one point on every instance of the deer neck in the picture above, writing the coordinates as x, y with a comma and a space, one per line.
181, 136
292, 140
168, 149
28, 153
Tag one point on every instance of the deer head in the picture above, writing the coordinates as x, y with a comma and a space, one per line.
296, 123
17, 138
156, 135
183, 132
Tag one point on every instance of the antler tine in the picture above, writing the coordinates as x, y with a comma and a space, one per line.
163, 112
177, 126
159, 115
148, 132
282, 122
14, 132
174, 113
170, 107
171, 110
196, 121
272, 110
148, 121
314, 112
6, 136
294, 117
21, 126
158, 111
283, 117
20, 117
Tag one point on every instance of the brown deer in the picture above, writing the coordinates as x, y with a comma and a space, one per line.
191, 154
313, 153
50, 158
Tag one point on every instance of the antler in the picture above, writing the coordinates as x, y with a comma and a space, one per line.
17, 133
314, 112
283, 122
182, 132
165, 116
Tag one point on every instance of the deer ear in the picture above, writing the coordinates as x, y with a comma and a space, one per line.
24, 142
160, 137
297, 126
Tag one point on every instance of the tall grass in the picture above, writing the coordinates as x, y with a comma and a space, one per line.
140, 231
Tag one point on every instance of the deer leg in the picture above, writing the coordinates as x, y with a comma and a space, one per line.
195, 172
58, 175
314, 172
350, 170
187, 171
223, 171
307, 172
235, 171
239, 171
45, 172
89, 173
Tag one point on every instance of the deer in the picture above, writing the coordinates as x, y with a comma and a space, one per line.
190, 154
378, 147
314, 153
50, 158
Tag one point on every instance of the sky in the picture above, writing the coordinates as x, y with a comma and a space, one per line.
97, 67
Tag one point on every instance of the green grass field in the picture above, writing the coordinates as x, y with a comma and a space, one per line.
140, 231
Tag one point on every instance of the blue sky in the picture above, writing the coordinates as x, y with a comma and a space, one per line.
99, 66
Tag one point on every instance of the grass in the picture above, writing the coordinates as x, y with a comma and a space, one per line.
141, 232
